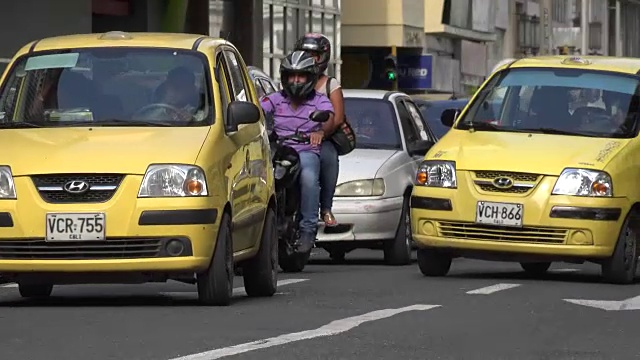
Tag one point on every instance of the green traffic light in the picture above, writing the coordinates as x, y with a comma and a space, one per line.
391, 75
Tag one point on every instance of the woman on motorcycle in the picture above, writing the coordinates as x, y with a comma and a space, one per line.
319, 47
291, 108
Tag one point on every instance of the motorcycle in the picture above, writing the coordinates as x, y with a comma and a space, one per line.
286, 165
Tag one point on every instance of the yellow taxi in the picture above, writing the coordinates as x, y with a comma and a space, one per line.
541, 166
133, 158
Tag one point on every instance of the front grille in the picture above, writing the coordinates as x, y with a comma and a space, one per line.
529, 234
101, 187
91, 250
523, 182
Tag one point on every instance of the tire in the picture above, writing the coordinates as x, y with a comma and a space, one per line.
337, 256
295, 262
398, 250
536, 268
433, 262
35, 290
621, 267
261, 273
215, 285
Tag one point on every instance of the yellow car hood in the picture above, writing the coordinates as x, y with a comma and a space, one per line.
99, 149
524, 152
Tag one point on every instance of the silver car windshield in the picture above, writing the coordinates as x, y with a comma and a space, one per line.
374, 122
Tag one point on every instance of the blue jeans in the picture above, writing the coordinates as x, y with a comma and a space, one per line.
329, 164
309, 191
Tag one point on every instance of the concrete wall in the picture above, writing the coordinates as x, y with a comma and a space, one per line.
22, 21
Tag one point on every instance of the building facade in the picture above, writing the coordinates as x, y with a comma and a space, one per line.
263, 30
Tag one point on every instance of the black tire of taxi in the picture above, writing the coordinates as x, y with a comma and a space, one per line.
260, 273
433, 262
398, 250
35, 290
215, 285
621, 267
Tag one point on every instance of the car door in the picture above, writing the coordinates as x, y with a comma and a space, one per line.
247, 220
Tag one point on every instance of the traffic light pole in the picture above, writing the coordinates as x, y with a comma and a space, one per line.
394, 53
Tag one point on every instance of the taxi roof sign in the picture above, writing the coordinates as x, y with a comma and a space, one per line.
575, 60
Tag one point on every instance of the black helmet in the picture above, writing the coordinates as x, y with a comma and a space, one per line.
299, 62
316, 43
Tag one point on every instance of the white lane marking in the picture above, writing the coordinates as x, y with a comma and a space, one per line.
10, 285
333, 328
564, 270
239, 291
491, 289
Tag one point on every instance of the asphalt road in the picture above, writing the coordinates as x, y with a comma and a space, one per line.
359, 310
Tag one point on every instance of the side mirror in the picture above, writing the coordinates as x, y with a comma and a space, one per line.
419, 148
241, 112
320, 116
448, 117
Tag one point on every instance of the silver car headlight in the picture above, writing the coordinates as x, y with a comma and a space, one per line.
365, 187
165, 180
583, 182
7, 187
436, 173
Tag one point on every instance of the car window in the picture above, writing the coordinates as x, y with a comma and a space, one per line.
374, 123
418, 121
121, 84
259, 89
567, 101
224, 85
238, 82
432, 112
268, 86
411, 133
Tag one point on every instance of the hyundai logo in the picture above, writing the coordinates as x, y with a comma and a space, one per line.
76, 187
503, 182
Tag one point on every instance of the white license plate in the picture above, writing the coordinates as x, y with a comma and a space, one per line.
75, 226
494, 213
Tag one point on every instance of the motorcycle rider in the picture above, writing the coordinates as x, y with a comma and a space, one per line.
291, 108
319, 46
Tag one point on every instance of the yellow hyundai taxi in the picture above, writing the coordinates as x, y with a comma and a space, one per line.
132, 158
541, 166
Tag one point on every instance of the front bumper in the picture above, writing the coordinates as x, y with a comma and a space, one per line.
141, 235
358, 219
553, 226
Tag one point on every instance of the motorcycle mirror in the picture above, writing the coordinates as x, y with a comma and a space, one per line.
320, 116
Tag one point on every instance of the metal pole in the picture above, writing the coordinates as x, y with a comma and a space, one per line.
618, 29
584, 27
394, 53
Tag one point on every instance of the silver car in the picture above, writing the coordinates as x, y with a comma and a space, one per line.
371, 202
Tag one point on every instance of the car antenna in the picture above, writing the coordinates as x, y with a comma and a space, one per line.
225, 35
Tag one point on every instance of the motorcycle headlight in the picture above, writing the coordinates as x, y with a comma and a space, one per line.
436, 173
167, 180
7, 187
365, 187
583, 182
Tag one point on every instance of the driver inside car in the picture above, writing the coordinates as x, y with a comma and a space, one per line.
180, 92
291, 109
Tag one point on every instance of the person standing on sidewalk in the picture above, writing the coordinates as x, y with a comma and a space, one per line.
319, 46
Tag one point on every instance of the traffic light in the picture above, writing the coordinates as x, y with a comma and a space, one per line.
391, 68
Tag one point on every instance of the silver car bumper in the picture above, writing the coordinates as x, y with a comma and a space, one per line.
363, 220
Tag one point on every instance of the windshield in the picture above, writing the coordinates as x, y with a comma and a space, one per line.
557, 101
432, 111
107, 86
374, 123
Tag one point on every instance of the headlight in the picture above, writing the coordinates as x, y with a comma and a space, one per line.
436, 173
173, 180
582, 182
366, 187
7, 187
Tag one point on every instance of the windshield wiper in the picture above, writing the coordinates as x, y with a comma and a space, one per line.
546, 130
120, 122
19, 125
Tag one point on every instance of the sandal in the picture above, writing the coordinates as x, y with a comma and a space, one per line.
329, 219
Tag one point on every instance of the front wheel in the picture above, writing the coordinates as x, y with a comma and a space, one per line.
261, 272
621, 267
433, 262
38, 291
215, 285
535, 268
398, 250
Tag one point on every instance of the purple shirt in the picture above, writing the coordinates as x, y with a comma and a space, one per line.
286, 120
